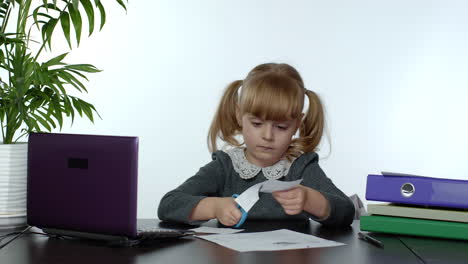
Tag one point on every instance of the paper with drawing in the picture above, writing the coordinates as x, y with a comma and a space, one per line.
282, 239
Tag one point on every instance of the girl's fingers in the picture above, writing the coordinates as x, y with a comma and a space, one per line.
292, 212
232, 220
291, 207
286, 202
283, 195
228, 221
232, 217
237, 214
288, 194
294, 207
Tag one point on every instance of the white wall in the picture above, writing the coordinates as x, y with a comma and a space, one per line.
392, 74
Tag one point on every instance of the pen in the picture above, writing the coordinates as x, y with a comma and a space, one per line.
371, 240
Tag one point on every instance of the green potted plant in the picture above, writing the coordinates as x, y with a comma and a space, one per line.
34, 92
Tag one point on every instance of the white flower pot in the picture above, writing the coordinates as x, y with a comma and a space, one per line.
13, 178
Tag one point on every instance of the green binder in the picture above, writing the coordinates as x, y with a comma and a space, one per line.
416, 227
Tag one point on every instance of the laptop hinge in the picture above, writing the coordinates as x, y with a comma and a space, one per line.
79, 234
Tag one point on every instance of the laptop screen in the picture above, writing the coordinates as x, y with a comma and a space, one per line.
85, 183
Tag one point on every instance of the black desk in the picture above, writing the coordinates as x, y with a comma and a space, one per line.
33, 248
441, 251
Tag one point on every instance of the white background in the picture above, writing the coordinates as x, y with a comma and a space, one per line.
393, 76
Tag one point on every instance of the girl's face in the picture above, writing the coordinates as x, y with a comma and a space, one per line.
266, 140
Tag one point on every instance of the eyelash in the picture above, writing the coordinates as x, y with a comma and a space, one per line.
257, 124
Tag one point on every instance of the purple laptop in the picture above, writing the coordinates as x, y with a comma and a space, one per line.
83, 185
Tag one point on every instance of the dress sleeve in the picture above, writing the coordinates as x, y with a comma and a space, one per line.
341, 207
177, 205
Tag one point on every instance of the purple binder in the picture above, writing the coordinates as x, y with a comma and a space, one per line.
419, 190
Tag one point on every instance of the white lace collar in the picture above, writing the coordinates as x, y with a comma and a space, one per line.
248, 170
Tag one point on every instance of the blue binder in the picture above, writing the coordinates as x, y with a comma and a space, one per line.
420, 190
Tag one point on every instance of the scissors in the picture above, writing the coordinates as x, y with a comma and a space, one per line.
244, 213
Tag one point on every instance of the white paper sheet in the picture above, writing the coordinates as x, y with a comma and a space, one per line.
250, 196
216, 230
275, 185
282, 239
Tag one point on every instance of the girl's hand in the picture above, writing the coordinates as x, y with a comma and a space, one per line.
292, 200
226, 211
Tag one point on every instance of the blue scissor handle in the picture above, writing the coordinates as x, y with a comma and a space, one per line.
244, 213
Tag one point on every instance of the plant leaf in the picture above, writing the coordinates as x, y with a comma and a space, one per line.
77, 105
88, 7
42, 121
50, 29
103, 13
65, 21
79, 74
56, 61
68, 108
47, 18
70, 79
4, 14
46, 116
44, 2
55, 107
44, 30
32, 124
86, 107
60, 89
77, 22
122, 4
83, 67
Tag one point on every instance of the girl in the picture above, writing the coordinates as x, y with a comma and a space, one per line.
265, 112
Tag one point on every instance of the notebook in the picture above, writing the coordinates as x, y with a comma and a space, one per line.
86, 186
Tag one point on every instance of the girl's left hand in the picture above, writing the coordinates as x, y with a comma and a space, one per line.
292, 200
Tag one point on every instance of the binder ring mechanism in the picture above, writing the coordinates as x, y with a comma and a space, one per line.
407, 190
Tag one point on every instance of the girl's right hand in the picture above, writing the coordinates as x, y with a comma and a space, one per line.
226, 211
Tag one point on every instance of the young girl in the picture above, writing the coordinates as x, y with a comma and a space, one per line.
266, 110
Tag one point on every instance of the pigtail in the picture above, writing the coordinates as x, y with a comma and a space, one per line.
311, 129
224, 124
312, 126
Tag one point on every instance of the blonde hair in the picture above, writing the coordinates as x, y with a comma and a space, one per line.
270, 91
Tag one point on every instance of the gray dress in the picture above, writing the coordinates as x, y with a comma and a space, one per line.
219, 179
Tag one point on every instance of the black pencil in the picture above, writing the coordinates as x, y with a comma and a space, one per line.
371, 240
